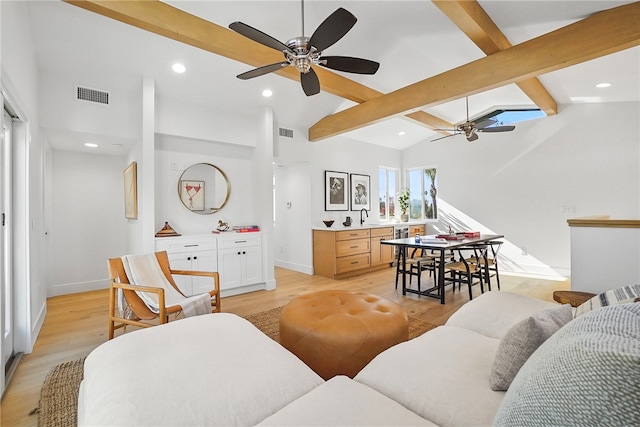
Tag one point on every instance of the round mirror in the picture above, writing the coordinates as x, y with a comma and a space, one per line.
203, 188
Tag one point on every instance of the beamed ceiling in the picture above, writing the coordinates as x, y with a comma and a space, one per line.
426, 71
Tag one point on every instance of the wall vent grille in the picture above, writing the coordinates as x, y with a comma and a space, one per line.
286, 132
92, 95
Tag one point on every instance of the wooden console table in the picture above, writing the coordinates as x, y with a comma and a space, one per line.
574, 298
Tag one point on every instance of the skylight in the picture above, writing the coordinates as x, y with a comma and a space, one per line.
506, 116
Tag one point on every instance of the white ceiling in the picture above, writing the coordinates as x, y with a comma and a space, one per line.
412, 40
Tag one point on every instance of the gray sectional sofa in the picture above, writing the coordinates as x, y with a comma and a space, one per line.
219, 369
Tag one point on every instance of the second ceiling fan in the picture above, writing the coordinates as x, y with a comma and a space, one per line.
470, 129
303, 52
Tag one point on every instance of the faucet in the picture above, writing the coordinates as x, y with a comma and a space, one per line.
366, 213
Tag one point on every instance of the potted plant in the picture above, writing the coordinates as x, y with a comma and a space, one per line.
403, 200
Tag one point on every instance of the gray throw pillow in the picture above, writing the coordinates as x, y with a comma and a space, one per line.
586, 374
522, 340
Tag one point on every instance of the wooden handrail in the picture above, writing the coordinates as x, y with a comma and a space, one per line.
603, 221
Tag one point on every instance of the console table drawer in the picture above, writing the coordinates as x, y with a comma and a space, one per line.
352, 247
350, 263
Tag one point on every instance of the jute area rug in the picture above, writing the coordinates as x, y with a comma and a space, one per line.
59, 394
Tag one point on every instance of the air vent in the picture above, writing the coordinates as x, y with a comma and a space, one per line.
92, 95
286, 132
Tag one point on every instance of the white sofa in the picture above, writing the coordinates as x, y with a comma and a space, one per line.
219, 369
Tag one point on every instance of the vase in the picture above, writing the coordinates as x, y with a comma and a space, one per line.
404, 217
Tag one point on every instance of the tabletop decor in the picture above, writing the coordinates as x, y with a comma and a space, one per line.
403, 201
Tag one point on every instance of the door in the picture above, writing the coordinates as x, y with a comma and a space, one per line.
5, 249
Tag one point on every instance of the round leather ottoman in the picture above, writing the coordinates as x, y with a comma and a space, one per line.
338, 332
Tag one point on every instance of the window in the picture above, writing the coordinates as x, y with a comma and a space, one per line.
423, 187
387, 188
509, 116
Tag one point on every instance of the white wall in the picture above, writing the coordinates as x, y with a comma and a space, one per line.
517, 183
300, 180
19, 80
604, 258
173, 155
88, 222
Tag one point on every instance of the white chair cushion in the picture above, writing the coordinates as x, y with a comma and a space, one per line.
494, 313
442, 376
344, 402
216, 369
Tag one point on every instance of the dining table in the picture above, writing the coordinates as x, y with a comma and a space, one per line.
439, 245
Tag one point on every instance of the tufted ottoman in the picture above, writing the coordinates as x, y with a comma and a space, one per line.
338, 332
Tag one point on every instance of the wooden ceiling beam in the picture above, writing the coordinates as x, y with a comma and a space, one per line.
598, 35
165, 20
473, 20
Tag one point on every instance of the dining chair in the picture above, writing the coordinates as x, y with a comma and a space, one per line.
463, 271
489, 263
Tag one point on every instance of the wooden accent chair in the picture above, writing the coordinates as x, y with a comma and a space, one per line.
142, 315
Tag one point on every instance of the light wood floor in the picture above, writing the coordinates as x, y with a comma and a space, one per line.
76, 324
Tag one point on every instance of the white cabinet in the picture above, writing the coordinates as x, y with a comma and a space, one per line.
240, 260
196, 253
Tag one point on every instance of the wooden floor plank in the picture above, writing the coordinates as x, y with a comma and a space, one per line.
76, 324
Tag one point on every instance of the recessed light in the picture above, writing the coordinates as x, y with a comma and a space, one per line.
401, 133
603, 84
90, 145
267, 93
178, 68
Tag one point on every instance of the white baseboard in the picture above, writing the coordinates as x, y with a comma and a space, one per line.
73, 288
305, 269
37, 326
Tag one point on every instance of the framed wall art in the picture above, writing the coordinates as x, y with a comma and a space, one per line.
131, 191
360, 192
336, 197
192, 194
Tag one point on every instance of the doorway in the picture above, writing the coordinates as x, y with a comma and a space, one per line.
7, 346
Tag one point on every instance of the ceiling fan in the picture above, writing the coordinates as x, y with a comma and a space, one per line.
303, 52
470, 129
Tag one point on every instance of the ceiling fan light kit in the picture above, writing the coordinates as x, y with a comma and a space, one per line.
305, 52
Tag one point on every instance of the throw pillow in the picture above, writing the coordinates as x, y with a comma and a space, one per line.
621, 295
586, 374
522, 340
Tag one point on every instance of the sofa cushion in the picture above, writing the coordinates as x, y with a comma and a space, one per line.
442, 376
215, 369
494, 313
522, 340
344, 402
586, 374
621, 295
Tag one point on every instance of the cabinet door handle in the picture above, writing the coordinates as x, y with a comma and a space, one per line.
195, 257
354, 247
190, 246
240, 241
188, 258
354, 262
244, 253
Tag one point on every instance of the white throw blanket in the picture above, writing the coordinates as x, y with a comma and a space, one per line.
144, 270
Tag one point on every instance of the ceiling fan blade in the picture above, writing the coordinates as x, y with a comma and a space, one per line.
472, 137
484, 123
262, 70
443, 137
497, 129
332, 29
310, 82
258, 36
350, 64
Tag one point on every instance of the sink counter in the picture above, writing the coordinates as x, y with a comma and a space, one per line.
340, 251
337, 226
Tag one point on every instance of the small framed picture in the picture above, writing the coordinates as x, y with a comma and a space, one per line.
360, 194
192, 194
335, 191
